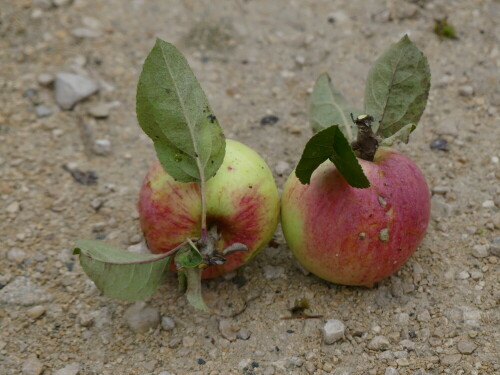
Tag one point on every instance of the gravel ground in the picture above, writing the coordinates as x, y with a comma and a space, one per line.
438, 314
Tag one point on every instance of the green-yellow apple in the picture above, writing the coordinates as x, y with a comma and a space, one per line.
357, 236
242, 201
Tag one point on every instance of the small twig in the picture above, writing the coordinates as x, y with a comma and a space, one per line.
366, 144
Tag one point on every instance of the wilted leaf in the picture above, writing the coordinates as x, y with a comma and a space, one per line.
402, 135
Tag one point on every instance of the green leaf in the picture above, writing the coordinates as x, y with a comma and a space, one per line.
188, 258
328, 107
193, 292
331, 143
174, 112
397, 87
402, 135
121, 274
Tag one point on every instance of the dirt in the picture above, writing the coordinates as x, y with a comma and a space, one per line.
255, 59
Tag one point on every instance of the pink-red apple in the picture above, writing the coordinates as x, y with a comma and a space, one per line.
357, 236
242, 201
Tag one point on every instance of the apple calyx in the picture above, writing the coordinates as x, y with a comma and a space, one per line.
366, 144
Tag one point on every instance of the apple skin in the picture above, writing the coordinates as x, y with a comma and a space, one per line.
338, 232
242, 200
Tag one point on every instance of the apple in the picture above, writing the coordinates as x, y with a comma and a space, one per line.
356, 236
242, 202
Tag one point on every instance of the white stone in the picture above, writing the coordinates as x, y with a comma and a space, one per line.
379, 343
32, 366
71, 88
21, 291
13, 208
273, 272
141, 317
71, 369
333, 331
167, 323
102, 147
488, 204
16, 255
391, 371
480, 251
282, 168
439, 208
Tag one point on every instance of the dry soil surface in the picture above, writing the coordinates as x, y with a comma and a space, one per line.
438, 314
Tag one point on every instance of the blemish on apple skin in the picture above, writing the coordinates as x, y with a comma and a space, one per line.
362, 236
229, 168
383, 235
382, 201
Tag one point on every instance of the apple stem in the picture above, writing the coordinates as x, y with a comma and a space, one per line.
366, 144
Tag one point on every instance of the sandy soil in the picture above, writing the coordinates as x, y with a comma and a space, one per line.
438, 314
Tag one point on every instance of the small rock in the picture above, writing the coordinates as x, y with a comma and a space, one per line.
13, 208
245, 363
466, 90
466, 347
488, 204
282, 168
71, 369
463, 275
45, 79
424, 316
42, 110
83, 33
102, 147
165, 373
451, 359
333, 331
480, 251
16, 255
71, 88
269, 370
291, 362
188, 341
140, 248
476, 275
32, 366
439, 144
21, 291
167, 323
85, 320
407, 344
441, 190
447, 127
36, 311
135, 239
226, 330
99, 110
273, 272
141, 317
269, 120
439, 208
391, 371
243, 334
495, 247
379, 343
60, 3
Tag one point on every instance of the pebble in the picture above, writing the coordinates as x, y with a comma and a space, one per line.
495, 247
135, 239
102, 147
165, 373
21, 291
45, 79
333, 331
13, 208
391, 371
60, 3
71, 88
16, 255
167, 323
99, 110
71, 369
466, 90
141, 317
466, 347
480, 251
450, 359
243, 334
488, 204
42, 110
226, 330
439, 144
282, 168
424, 316
36, 311
83, 32
447, 127
269, 370
140, 248
439, 208
32, 366
273, 272
379, 343
463, 275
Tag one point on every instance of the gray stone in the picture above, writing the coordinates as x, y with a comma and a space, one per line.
495, 247
102, 147
391, 371
71, 88
480, 251
36, 311
60, 3
32, 366
100, 110
16, 255
450, 359
466, 90
13, 208
447, 127
45, 79
226, 330
439, 208
273, 272
466, 347
333, 331
165, 373
71, 369
243, 334
83, 33
21, 291
141, 317
424, 316
42, 110
282, 168
379, 343
463, 275
167, 323
407, 344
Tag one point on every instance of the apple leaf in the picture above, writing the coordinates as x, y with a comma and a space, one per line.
330, 143
189, 257
397, 87
122, 274
174, 112
402, 135
328, 107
